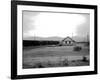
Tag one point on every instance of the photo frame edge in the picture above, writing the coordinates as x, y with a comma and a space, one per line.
14, 44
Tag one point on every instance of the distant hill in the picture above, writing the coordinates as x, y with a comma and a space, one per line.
56, 38
44, 38
80, 39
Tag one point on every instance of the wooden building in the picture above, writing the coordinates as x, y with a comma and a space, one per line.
67, 42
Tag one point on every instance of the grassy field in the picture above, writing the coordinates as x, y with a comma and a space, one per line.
54, 56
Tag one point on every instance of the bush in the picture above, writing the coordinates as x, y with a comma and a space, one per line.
84, 59
65, 62
39, 65
77, 48
87, 44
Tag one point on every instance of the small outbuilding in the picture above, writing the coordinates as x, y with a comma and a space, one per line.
67, 42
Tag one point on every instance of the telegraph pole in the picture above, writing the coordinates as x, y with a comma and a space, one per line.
34, 36
72, 35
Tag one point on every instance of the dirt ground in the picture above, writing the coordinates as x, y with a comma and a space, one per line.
54, 56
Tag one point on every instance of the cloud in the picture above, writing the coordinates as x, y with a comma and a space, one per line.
84, 28
28, 21
56, 24
46, 24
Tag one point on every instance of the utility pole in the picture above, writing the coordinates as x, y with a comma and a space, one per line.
72, 35
34, 36
87, 38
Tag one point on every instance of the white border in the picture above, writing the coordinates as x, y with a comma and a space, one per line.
21, 71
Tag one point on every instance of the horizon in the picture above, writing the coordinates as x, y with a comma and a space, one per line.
56, 38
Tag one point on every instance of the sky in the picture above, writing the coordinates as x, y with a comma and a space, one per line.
49, 24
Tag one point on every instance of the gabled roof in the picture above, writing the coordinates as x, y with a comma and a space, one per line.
68, 38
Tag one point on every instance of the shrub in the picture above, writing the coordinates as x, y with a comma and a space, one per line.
84, 59
77, 48
87, 44
39, 65
65, 62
